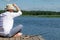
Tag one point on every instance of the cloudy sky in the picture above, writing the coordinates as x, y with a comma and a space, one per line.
46, 5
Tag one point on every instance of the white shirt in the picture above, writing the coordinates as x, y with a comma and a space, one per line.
8, 20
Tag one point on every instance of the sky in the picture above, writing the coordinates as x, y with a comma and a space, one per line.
43, 5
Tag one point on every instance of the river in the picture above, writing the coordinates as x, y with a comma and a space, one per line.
49, 28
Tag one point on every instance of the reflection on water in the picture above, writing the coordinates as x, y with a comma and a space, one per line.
49, 28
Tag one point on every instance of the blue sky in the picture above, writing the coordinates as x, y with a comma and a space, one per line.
46, 5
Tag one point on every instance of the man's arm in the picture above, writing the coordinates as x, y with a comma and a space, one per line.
18, 13
17, 8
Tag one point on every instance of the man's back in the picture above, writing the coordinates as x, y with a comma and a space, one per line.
7, 20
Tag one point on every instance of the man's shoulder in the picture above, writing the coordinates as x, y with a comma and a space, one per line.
4, 12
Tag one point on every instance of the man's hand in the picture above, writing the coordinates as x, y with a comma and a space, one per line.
17, 8
14, 5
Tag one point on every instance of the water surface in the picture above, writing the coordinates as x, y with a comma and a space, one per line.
49, 28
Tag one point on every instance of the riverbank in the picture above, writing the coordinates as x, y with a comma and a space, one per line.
25, 37
49, 16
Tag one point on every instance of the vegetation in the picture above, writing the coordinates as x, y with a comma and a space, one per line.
39, 13
1, 11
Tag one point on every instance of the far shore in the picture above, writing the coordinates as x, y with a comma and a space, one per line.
49, 16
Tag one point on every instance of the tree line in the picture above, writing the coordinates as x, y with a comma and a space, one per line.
36, 12
40, 13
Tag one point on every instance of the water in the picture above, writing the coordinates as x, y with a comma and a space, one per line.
49, 28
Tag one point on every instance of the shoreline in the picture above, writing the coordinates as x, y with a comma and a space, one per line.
25, 37
48, 16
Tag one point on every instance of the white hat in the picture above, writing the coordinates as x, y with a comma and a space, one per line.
9, 6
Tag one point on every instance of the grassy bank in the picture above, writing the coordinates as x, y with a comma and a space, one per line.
49, 16
38, 13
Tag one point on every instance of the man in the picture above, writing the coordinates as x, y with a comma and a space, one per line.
8, 19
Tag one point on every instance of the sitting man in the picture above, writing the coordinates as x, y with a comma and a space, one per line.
7, 20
